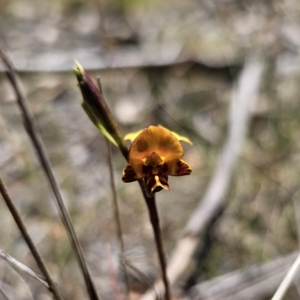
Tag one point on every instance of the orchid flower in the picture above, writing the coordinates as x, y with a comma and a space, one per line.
155, 153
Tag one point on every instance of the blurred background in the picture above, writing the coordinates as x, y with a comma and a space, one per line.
173, 63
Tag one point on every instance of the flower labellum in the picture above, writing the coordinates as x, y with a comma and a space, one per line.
154, 154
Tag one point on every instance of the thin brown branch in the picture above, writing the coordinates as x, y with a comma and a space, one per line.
17, 217
117, 217
37, 142
154, 218
21, 267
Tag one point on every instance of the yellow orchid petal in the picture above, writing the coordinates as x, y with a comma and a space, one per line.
132, 135
155, 139
182, 138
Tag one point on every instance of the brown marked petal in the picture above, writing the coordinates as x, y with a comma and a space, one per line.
176, 167
183, 168
155, 139
129, 174
138, 166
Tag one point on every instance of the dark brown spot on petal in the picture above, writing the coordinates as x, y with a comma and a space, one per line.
141, 145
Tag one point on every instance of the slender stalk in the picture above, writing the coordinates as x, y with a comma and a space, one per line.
154, 218
113, 186
115, 200
37, 142
114, 277
11, 206
116, 205
117, 218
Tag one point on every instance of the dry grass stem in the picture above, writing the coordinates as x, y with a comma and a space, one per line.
154, 218
37, 142
17, 217
21, 267
117, 218
116, 206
